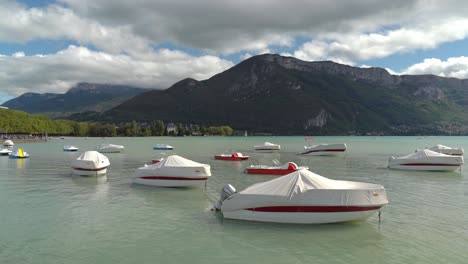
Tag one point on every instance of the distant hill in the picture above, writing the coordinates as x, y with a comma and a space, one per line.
81, 98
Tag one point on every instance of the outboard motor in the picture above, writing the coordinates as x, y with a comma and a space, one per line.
390, 161
227, 191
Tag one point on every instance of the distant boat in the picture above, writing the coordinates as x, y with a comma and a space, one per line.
110, 148
8, 143
163, 147
5, 152
274, 170
324, 149
267, 147
234, 156
426, 160
70, 148
303, 197
19, 154
90, 163
173, 171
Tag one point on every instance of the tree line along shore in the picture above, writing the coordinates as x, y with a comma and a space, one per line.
37, 126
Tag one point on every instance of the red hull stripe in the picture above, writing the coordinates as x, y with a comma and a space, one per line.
429, 164
169, 178
313, 209
324, 150
231, 158
269, 171
83, 169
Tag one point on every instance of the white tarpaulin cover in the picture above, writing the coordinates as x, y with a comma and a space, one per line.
423, 154
95, 157
177, 161
175, 165
304, 187
439, 147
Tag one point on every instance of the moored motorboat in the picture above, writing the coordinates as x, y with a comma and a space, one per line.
234, 156
110, 148
19, 154
70, 148
90, 163
447, 150
267, 147
5, 152
274, 170
173, 171
303, 197
163, 147
8, 143
324, 149
426, 160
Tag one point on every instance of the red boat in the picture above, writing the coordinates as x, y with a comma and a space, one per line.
234, 156
274, 170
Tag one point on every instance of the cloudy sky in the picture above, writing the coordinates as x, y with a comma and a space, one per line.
48, 46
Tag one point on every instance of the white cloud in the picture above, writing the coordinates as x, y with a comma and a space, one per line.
349, 47
58, 72
453, 67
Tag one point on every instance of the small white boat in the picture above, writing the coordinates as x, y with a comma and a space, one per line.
303, 197
324, 149
19, 154
8, 143
426, 160
90, 163
163, 147
267, 147
274, 170
110, 148
70, 148
173, 171
447, 150
5, 152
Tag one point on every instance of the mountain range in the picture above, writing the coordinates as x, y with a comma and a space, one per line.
80, 98
283, 95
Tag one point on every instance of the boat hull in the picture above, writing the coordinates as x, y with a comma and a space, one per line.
156, 148
18, 157
318, 216
425, 167
324, 150
89, 172
170, 181
266, 150
231, 158
70, 150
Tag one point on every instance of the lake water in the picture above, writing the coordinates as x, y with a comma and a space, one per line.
49, 216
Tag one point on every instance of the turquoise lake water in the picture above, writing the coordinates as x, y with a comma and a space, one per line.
49, 216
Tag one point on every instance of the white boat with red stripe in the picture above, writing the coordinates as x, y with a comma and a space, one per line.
324, 149
173, 171
90, 163
274, 170
303, 197
426, 160
267, 147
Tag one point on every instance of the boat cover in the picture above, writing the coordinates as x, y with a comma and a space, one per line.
93, 156
177, 161
423, 154
306, 188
